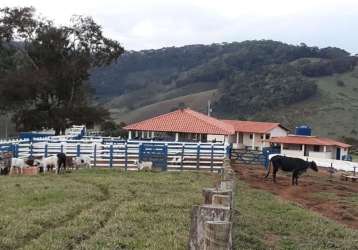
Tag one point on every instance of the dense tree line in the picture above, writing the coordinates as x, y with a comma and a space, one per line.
250, 75
245, 93
45, 69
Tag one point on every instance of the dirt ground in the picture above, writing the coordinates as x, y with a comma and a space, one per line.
319, 192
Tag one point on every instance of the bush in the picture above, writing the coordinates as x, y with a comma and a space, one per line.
340, 83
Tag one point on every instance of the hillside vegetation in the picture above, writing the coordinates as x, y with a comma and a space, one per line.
264, 80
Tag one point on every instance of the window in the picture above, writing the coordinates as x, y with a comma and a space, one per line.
262, 137
316, 148
267, 136
251, 136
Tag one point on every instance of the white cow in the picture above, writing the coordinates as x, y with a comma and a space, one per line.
47, 163
82, 161
17, 163
145, 166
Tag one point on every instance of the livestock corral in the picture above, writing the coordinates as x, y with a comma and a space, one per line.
127, 154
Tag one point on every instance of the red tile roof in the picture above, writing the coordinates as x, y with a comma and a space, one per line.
253, 127
308, 140
185, 121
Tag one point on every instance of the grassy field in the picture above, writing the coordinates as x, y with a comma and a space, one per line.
265, 221
99, 209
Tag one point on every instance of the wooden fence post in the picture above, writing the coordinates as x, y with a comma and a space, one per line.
111, 155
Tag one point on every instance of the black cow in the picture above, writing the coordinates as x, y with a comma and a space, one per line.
61, 162
295, 165
5, 164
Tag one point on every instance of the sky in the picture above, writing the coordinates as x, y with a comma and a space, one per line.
153, 24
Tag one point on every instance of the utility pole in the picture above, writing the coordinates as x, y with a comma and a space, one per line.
209, 108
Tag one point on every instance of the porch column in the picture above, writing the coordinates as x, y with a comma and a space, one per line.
129, 135
325, 149
176, 136
262, 142
303, 149
237, 139
152, 136
142, 134
281, 148
253, 141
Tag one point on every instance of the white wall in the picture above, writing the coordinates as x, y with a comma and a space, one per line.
344, 152
292, 153
323, 155
218, 138
258, 143
277, 132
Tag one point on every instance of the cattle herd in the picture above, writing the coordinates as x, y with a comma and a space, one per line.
54, 163
58, 163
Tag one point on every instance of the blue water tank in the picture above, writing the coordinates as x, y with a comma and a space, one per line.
304, 130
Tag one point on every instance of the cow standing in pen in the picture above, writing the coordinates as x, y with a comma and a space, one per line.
295, 165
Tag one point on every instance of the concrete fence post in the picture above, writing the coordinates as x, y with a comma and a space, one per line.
221, 200
200, 215
209, 192
211, 223
217, 235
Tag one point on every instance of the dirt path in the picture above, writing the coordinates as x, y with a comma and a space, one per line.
318, 192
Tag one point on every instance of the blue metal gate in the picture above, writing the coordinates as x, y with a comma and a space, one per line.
156, 153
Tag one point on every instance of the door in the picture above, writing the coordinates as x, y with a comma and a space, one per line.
338, 154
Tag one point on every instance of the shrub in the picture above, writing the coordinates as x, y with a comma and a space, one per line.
340, 83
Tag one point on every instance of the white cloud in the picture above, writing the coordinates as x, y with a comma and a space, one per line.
144, 24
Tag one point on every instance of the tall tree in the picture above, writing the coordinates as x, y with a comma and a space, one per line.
48, 87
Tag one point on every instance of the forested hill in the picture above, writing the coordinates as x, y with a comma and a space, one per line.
241, 79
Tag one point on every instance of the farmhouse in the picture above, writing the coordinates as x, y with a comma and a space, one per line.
189, 125
311, 146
